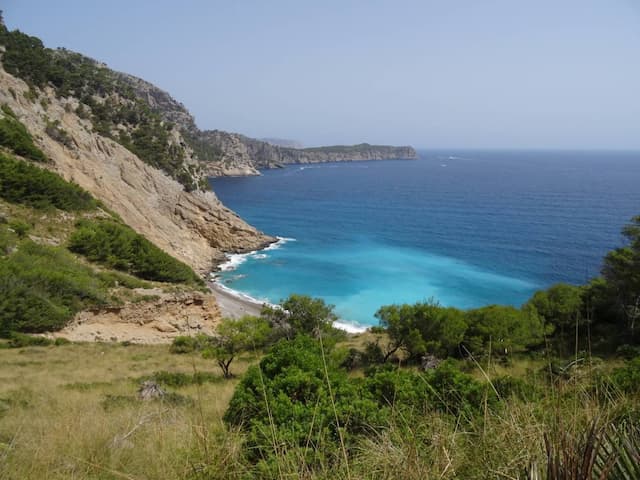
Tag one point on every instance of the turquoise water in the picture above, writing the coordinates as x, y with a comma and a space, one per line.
465, 228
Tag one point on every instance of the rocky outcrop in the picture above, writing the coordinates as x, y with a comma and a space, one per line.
192, 226
156, 321
245, 156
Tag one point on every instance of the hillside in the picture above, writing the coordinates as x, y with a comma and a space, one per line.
125, 142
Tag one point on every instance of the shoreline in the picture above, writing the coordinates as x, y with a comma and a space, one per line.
235, 304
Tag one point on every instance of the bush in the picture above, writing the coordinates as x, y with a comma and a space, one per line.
118, 246
19, 227
19, 340
456, 392
180, 379
522, 389
627, 378
42, 287
502, 329
15, 137
291, 380
21, 182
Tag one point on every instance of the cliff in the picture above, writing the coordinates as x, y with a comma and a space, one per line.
241, 155
192, 226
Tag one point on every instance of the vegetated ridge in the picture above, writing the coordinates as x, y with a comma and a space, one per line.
126, 142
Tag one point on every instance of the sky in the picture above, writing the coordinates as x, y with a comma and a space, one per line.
429, 73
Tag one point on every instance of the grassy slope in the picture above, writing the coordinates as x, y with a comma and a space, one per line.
58, 421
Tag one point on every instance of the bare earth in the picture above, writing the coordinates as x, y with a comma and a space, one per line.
160, 320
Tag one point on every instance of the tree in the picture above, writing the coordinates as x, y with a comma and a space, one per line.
503, 329
235, 336
621, 270
561, 307
301, 314
425, 327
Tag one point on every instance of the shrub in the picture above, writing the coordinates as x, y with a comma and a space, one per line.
302, 314
627, 378
456, 392
19, 227
21, 182
189, 344
235, 336
181, 379
119, 246
502, 329
42, 287
286, 402
422, 328
15, 137
19, 340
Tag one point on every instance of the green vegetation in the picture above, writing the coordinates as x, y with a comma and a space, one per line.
235, 336
42, 287
118, 246
106, 98
15, 137
429, 329
301, 314
361, 147
21, 182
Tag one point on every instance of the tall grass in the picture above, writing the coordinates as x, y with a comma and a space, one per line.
71, 412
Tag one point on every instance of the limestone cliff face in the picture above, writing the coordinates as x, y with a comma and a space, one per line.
192, 226
245, 156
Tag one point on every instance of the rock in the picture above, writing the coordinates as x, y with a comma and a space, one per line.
429, 362
192, 226
156, 321
150, 390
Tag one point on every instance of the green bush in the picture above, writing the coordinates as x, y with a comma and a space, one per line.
42, 287
35, 187
19, 227
15, 137
627, 378
456, 392
523, 389
286, 402
118, 246
180, 379
20, 340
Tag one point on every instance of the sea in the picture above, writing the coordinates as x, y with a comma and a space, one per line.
463, 228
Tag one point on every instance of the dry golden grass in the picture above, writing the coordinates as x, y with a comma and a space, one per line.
70, 412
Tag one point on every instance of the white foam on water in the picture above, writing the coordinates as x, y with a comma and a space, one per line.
234, 260
349, 327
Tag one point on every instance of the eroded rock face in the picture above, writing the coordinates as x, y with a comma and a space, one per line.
156, 321
242, 155
192, 226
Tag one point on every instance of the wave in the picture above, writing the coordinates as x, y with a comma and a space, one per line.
234, 260
349, 327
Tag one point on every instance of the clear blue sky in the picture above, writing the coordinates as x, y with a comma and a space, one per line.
431, 73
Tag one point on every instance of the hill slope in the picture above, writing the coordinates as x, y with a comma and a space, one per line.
121, 139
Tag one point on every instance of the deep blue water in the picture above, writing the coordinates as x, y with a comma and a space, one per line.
467, 228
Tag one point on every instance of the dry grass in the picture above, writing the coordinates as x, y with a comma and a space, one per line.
70, 412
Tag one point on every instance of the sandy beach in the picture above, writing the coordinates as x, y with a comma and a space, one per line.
232, 305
